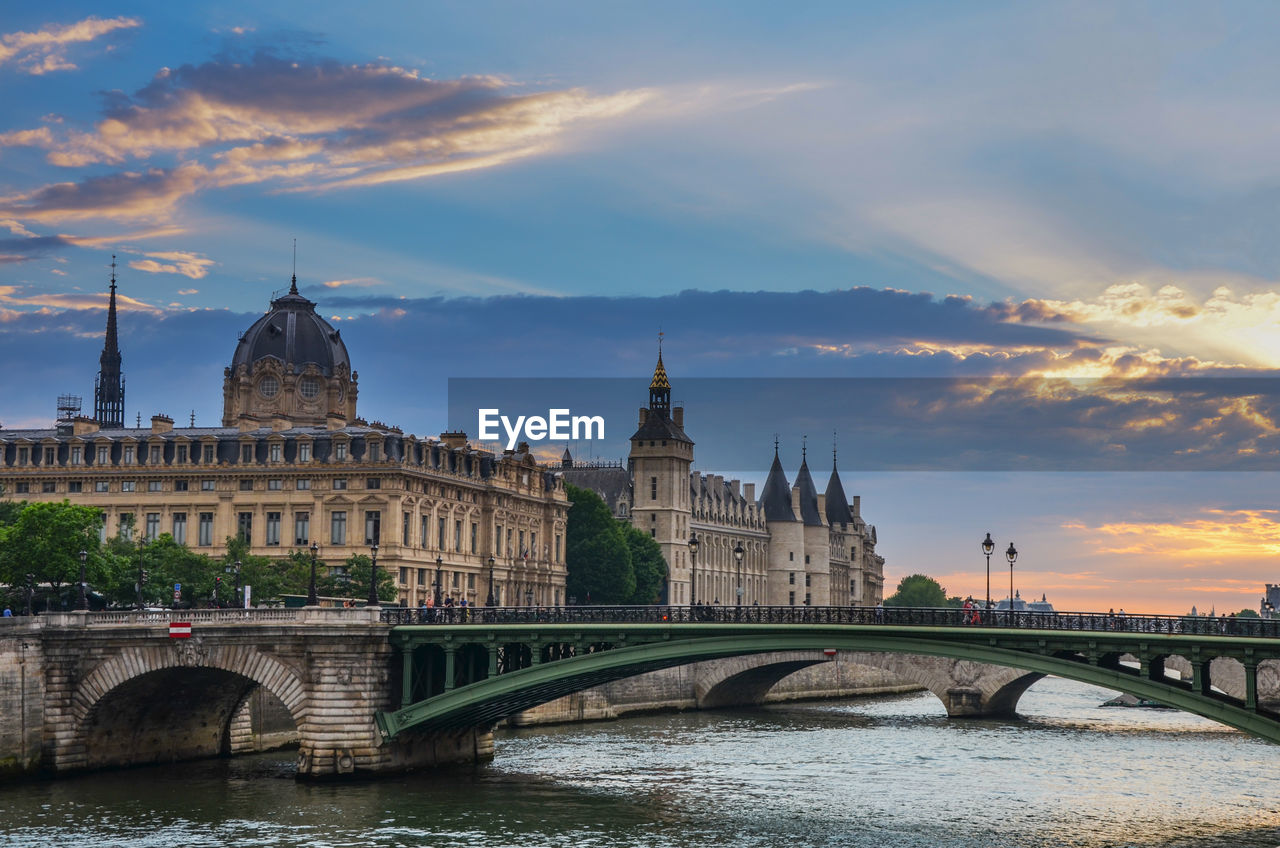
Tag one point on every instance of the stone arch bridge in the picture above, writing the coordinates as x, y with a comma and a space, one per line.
374, 691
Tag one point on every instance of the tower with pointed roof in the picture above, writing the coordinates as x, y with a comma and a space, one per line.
108, 391
660, 459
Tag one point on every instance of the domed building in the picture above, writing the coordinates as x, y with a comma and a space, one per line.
293, 465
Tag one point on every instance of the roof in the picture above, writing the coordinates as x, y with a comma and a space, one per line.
837, 504
808, 497
611, 483
293, 333
659, 425
775, 499
659, 380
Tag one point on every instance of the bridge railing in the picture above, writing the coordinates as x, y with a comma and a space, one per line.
909, 616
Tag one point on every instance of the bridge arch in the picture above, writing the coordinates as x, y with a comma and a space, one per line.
171, 702
490, 700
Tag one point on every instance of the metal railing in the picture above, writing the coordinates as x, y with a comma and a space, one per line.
899, 616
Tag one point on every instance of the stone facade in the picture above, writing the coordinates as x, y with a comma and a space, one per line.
798, 546
293, 464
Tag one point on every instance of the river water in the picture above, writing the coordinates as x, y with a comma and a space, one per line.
878, 772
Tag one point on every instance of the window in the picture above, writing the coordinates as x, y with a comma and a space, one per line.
340, 450
533, 544
126, 525
22, 488
806, 581
405, 528
101, 486
304, 452
244, 526
207, 486
102, 454
422, 532
309, 387
153, 526
558, 547
274, 485
182, 453
205, 530
457, 535
77, 456
75, 487
372, 526
791, 598
246, 485
791, 578
474, 533
128, 486
49, 456
208, 453
246, 453
653, 534
155, 486
301, 528
24, 456
338, 527
373, 483
303, 485
180, 485
180, 528
155, 455
339, 484
806, 559
404, 576
273, 528
653, 488
128, 455
276, 451
269, 387
440, 534
422, 577
471, 581
375, 451
48, 487
791, 556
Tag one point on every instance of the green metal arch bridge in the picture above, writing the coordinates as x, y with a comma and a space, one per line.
474, 668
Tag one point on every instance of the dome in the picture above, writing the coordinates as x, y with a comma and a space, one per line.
295, 335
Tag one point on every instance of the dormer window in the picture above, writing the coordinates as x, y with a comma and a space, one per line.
375, 450
340, 450
128, 455
304, 452
276, 451
24, 456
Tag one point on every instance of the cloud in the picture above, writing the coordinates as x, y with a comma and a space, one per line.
44, 50
14, 296
301, 125
191, 265
188, 291
355, 282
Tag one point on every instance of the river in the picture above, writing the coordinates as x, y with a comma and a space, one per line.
879, 772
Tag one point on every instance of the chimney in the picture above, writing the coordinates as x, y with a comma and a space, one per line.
677, 415
857, 505
82, 425
334, 421
822, 505
749, 491
795, 500
644, 415
454, 438
161, 424
736, 485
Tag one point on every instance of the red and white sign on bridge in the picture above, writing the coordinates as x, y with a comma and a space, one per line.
179, 630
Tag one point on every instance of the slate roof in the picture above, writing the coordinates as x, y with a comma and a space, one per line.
612, 483
293, 333
660, 426
808, 497
837, 504
775, 499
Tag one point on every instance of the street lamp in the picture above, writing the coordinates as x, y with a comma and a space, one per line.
693, 568
988, 547
236, 599
84, 597
439, 598
313, 597
373, 577
142, 575
738, 553
489, 602
1012, 556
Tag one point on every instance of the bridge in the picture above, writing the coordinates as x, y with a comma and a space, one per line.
373, 691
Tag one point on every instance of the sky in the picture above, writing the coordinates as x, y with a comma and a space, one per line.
1028, 247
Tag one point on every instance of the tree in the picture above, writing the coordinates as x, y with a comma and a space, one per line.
917, 590
45, 541
597, 556
648, 565
351, 580
1248, 613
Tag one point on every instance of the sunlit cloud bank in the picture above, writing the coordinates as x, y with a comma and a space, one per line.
45, 49
298, 125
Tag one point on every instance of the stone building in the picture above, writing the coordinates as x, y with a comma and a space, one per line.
797, 546
293, 464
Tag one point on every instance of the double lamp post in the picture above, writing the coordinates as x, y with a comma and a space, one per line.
988, 547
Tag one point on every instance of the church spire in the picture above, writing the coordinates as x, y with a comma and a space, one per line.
108, 392
659, 386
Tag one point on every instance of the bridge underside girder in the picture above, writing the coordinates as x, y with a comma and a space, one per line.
1090, 658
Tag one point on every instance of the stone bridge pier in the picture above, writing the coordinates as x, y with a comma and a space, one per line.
102, 690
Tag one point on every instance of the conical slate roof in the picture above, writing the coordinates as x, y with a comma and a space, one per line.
837, 504
775, 500
808, 497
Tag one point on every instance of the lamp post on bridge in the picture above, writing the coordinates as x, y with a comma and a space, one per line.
738, 553
83, 603
1012, 556
988, 547
373, 576
693, 569
489, 601
439, 596
313, 597
142, 575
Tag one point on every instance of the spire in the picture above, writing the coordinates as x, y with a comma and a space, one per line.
808, 495
293, 285
659, 386
775, 498
108, 391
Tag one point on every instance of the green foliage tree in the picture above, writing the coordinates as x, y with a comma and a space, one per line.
597, 556
648, 565
351, 580
918, 590
44, 540
1248, 613
269, 578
